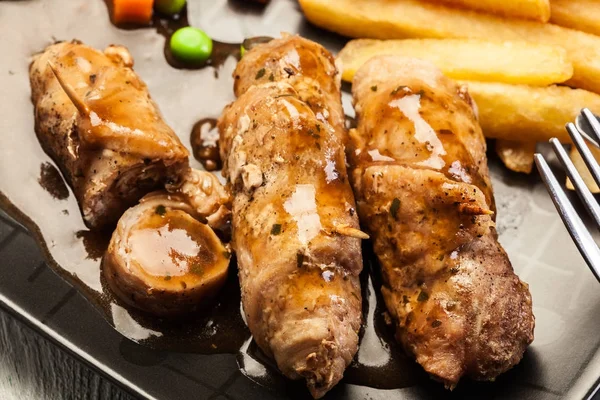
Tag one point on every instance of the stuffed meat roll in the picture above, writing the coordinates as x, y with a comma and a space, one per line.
295, 230
422, 186
95, 118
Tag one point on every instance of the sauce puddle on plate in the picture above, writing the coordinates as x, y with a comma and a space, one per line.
219, 328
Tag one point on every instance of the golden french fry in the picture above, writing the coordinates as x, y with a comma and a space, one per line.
529, 113
516, 156
583, 15
583, 169
538, 10
473, 59
385, 19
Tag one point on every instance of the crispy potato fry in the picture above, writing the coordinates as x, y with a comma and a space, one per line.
529, 113
583, 169
385, 19
516, 156
538, 10
583, 15
508, 62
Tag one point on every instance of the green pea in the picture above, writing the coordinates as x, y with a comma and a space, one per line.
169, 7
191, 45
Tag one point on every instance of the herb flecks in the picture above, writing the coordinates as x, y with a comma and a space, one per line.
436, 323
276, 229
261, 72
161, 210
196, 268
299, 260
168, 278
423, 296
395, 207
374, 88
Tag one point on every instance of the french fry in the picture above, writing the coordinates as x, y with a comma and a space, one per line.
516, 156
385, 19
473, 59
538, 10
583, 15
583, 169
529, 113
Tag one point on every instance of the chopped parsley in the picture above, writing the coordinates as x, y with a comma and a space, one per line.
394, 208
276, 229
423, 296
161, 210
196, 268
374, 88
261, 72
299, 260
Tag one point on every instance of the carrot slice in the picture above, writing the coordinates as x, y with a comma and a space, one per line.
133, 11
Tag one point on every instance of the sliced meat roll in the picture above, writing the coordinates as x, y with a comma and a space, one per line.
295, 230
95, 118
422, 186
161, 258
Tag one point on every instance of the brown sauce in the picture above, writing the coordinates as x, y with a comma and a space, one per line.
205, 144
95, 243
349, 122
51, 180
218, 328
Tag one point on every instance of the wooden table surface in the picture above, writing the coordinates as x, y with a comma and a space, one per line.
32, 368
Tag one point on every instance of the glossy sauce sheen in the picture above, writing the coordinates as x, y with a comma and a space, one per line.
379, 363
170, 246
205, 144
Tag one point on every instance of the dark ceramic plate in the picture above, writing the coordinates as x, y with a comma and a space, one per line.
71, 308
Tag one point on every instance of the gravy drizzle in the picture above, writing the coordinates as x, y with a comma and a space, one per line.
220, 327
205, 144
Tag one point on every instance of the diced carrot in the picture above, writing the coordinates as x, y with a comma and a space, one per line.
133, 11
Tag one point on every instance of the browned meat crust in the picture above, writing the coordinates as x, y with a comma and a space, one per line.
122, 149
295, 231
423, 192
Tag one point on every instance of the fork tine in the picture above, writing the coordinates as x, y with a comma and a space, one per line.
592, 120
592, 136
580, 187
585, 152
577, 229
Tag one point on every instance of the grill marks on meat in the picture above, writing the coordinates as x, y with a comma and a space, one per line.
294, 230
423, 191
118, 151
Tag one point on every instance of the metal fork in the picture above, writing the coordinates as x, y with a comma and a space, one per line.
577, 229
